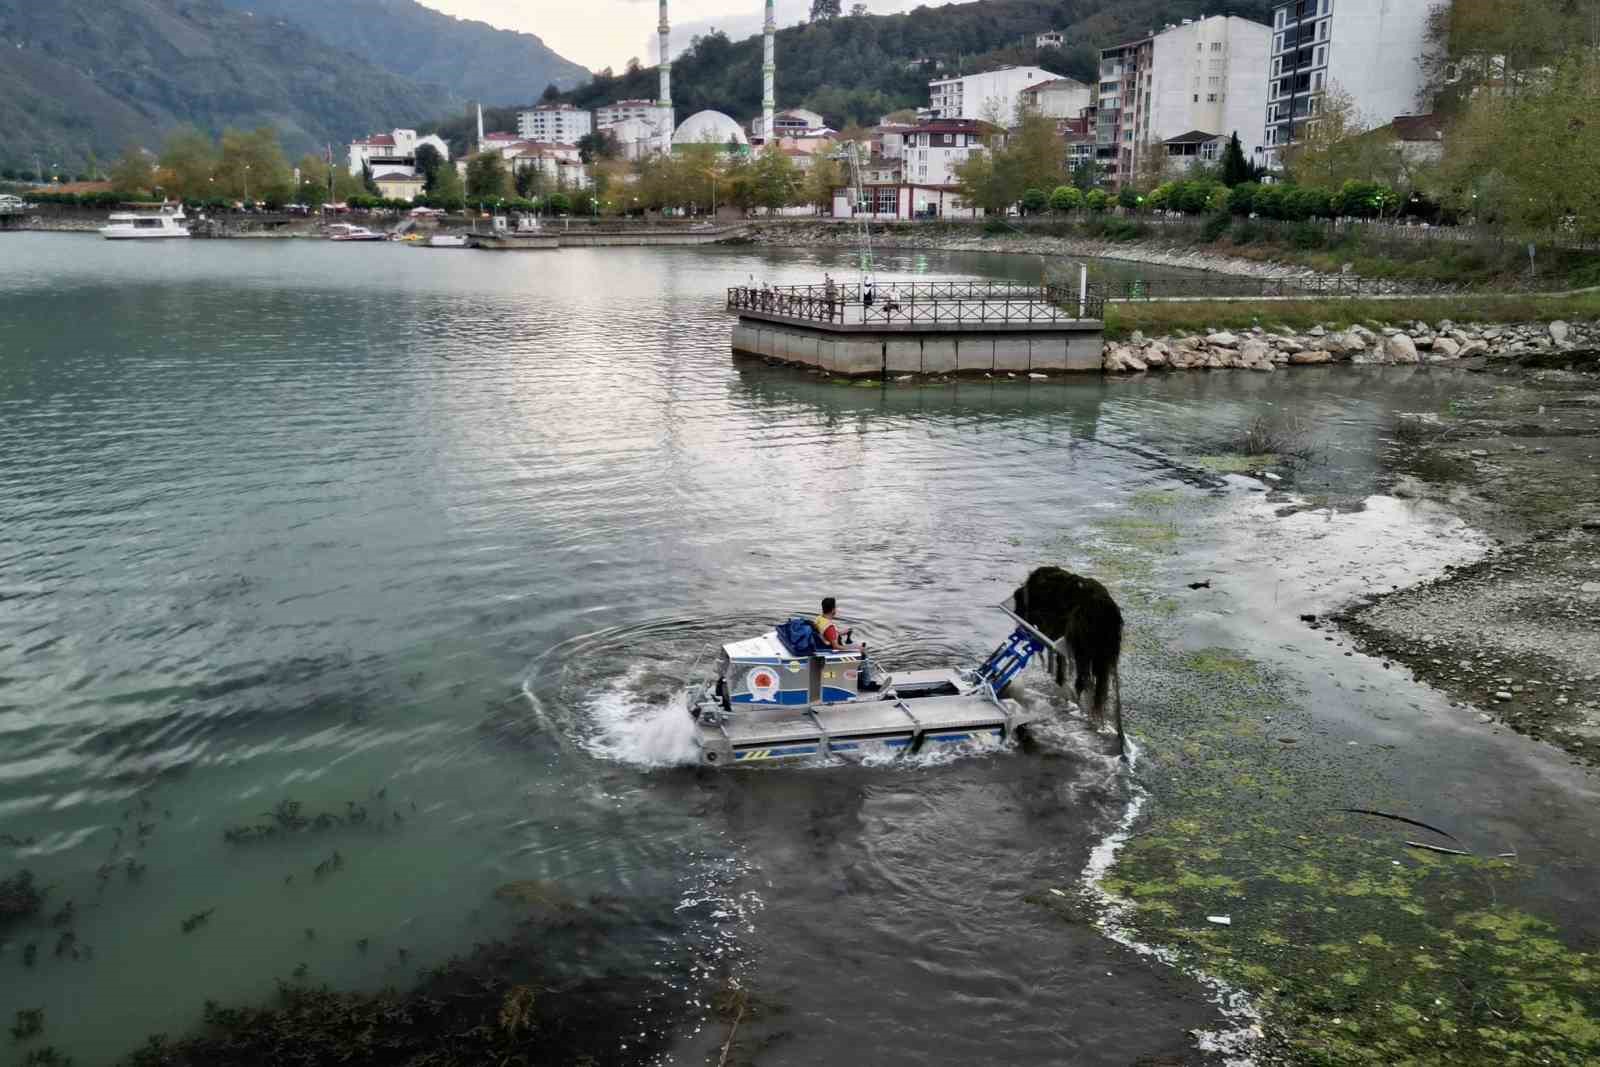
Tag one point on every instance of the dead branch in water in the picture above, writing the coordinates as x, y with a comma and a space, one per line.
1437, 848
1401, 818
727, 1047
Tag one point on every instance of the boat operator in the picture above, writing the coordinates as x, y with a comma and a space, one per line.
828, 628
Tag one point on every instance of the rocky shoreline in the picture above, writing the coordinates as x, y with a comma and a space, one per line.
1262, 349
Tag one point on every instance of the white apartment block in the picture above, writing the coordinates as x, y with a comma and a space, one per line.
1373, 50
554, 124
934, 150
1050, 39
1205, 75
392, 151
1058, 98
991, 97
648, 111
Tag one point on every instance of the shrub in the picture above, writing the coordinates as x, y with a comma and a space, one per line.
1242, 198
1217, 202
1308, 236
1128, 198
1269, 202
1096, 200
1066, 199
1034, 201
558, 204
1215, 226
1160, 198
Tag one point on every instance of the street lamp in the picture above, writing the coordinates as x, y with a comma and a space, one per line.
594, 208
247, 184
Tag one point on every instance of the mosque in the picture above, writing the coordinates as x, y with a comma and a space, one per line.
713, 127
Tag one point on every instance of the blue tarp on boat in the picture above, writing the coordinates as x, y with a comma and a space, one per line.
801, 638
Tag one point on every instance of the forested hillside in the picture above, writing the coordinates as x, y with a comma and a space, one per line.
856, 68
472, 60
84, 79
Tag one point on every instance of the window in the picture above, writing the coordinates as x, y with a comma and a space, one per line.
1198, 46
1211, 98
1316, 82
1322, 55
1277, 22
1208, 150
888, 201
949, 138
1216, 46
1277, 42
1197, 98
1277, 67
1322, 30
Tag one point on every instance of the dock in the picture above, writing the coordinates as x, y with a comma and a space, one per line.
922, 328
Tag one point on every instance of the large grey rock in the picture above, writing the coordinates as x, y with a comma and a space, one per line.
1559, 332
1474, 348
1223, 339
1446, 347
1366, 335
1132, 362
1156, 354
1400, 349
1309, 358
1253, 352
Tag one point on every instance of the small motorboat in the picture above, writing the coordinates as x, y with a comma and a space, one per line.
447, 240
344, 231
772, 701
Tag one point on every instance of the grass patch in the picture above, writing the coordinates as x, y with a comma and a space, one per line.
1235, 463
1190, 317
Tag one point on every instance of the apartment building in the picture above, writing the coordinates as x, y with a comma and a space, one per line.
1373, 50
934, 150
554, 124
992, 96
648, 111
1205, 75
1058, 98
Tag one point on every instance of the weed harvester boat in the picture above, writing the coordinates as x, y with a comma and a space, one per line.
768, 701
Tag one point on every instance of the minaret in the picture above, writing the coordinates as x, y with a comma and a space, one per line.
480, 125
666, 57
769, 71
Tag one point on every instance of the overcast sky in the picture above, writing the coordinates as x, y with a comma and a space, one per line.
607, 33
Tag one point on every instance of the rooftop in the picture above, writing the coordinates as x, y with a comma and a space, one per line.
1418, 127
1192, 137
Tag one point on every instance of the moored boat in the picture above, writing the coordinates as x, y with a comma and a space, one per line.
344, 231
135, 225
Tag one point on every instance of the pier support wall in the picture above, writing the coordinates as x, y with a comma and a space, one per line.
868, 353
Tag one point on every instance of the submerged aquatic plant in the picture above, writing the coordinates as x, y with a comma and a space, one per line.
198, 919
30, 1023
19, 897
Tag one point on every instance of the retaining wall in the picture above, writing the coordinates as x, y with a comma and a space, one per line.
874, 353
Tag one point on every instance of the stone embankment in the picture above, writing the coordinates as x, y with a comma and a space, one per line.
1417, 343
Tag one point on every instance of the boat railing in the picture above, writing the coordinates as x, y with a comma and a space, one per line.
920, 303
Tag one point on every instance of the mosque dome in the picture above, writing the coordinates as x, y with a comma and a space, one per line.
711, 127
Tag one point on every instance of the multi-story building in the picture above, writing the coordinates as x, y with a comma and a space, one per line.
1372, 50
1058, 98
641, 127
1050, 39
554, 124
992, 97
791, 123
934, 150
393, 152
609, 115
1205, 75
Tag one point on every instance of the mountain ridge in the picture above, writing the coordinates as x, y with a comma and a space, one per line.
85, 79
470, 58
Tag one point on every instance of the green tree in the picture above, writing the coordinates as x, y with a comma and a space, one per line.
428, 160
825, 9
252, 164
825, 176
134, 174
559, 204
369, 185
1128, 198
774, 180
188, 165
1097, 201
1065, 199
1035, 201
552, 93
1235, 168
447, 187
1086, 175
487, 178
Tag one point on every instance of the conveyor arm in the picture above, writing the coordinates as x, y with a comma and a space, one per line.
1014, 654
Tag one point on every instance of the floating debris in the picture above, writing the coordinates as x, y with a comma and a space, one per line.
333, 863
65, 916
362, 943
17, 842
198, 919
66, 944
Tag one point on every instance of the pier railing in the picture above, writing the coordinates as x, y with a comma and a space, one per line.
933, 304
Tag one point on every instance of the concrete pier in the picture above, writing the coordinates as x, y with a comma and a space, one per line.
923, 328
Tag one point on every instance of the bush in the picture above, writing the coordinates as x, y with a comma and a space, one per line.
1215, 226
1269, 202
1128, 198
558, 204
1096, 200
1066, 199
1034, 201
1217, 202
1160, 198
996, 225
1242, 198
1308, 236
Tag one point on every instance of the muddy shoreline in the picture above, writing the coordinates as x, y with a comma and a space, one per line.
1513, 639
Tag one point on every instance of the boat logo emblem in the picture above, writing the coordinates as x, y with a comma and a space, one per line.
794, 666
763, 683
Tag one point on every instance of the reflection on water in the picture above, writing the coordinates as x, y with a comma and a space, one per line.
319, 522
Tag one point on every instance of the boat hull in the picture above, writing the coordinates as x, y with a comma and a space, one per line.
887, 724
111, 234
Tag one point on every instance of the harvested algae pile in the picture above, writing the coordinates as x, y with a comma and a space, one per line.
1358, 949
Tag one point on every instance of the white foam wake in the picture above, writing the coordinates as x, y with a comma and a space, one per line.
625, 729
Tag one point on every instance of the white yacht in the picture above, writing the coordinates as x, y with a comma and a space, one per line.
125, 225
344, 231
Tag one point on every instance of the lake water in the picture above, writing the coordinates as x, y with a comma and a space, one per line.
435, 536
